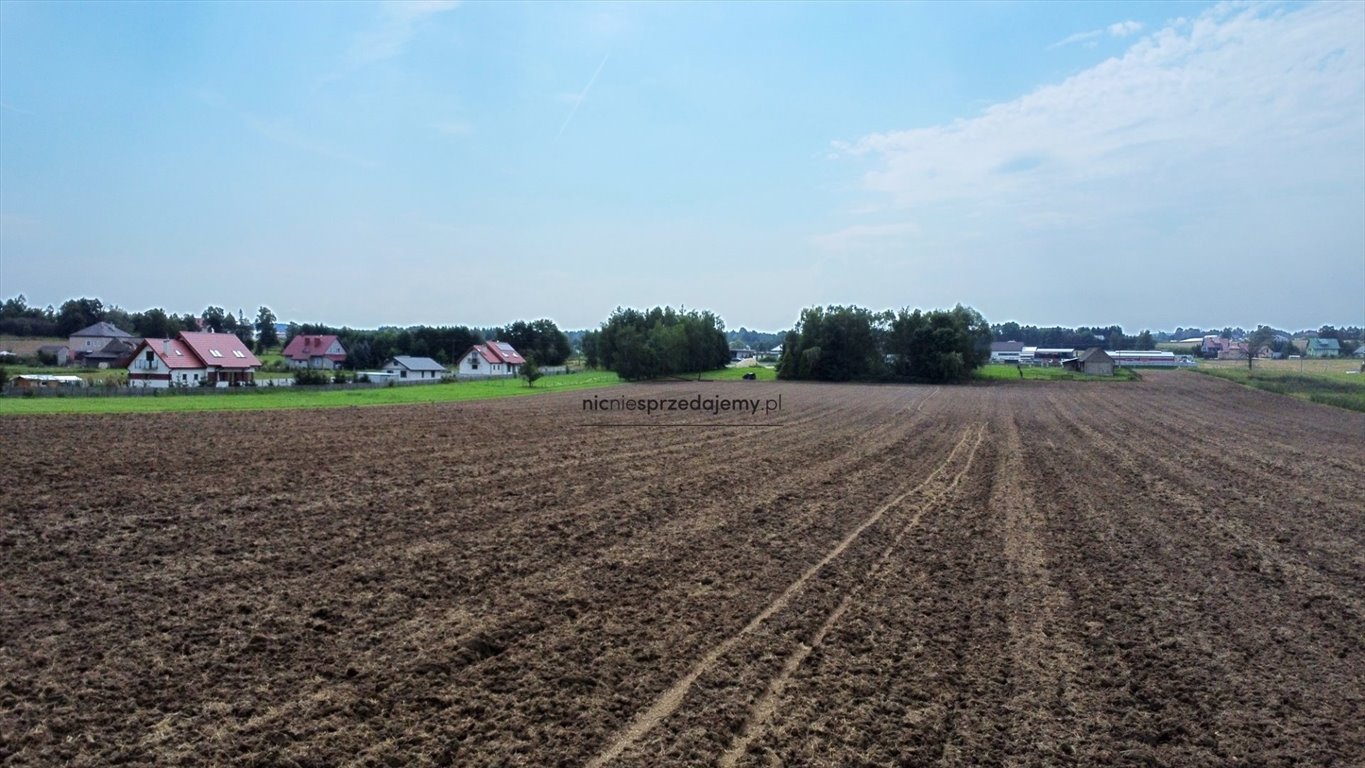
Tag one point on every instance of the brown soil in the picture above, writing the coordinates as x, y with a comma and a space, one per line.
1170, 572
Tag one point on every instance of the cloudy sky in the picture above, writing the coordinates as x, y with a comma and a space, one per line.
1145, 164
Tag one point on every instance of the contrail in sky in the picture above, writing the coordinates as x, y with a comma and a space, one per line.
578, 102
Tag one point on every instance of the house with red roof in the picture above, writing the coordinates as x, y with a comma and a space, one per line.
309, 350
192, 360
483, 361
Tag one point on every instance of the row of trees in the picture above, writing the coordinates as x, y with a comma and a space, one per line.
659, 342
17, 318
1083, 337
840, 343
539, 340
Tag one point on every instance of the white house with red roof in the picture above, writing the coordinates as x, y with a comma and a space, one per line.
483, 361
192, 360
309, 350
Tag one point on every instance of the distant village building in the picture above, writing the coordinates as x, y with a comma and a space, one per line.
57, 353
1092, 362
46, 381
414, 369
1323, 348
95, 338
1222, 348
114, 354
315, 351
1045, 355
1006, 351
742, 353
491, 360
192, 360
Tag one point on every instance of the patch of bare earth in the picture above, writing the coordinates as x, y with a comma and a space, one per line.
1169, 572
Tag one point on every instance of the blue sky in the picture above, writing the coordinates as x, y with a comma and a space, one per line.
1146, 164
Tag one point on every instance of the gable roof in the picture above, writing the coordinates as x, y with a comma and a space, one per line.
496, 352
173, 354
221, 350
1324, 344
1007, 346
416, 363
1095, 354
104, 329
116, 349
504, 353
305, 346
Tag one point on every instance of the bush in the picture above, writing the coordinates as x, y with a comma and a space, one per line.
531, 372
339, 377
307, 377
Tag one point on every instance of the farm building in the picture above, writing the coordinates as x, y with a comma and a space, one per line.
112, 355
46, 381
1045, 355
61, 354
1222, 348
494, 359
1321, 347
315, 351
1093, 362
1006, 351
192, 360
414, 369
1133, 358
742, 353
94, 338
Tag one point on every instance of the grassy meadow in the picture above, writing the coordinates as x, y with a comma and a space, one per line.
267, 398
1004, 372
1330, 382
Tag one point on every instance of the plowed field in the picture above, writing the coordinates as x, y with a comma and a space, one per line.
1165, 572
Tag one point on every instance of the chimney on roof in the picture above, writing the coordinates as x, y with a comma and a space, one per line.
165, 347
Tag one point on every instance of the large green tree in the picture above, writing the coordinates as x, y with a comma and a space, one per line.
661, 342
856, 344
266, 335
76, 314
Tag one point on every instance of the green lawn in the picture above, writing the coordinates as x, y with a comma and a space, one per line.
1000, 372
737, 374
260, 398
1332, 384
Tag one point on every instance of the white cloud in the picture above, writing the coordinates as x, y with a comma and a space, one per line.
1118, 30
395, 30
1237, 137
1125, 28
1230, 93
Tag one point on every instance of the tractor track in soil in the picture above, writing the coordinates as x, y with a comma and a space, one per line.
1161, 572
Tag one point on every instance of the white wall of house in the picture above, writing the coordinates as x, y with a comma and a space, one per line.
315, 362
402, 375
84, 344
473, 366
178, 377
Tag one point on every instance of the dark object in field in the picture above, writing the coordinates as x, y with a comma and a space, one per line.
750, 377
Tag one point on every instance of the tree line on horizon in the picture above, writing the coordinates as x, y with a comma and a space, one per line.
668, 342
538, 340
648, 344
850, 343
